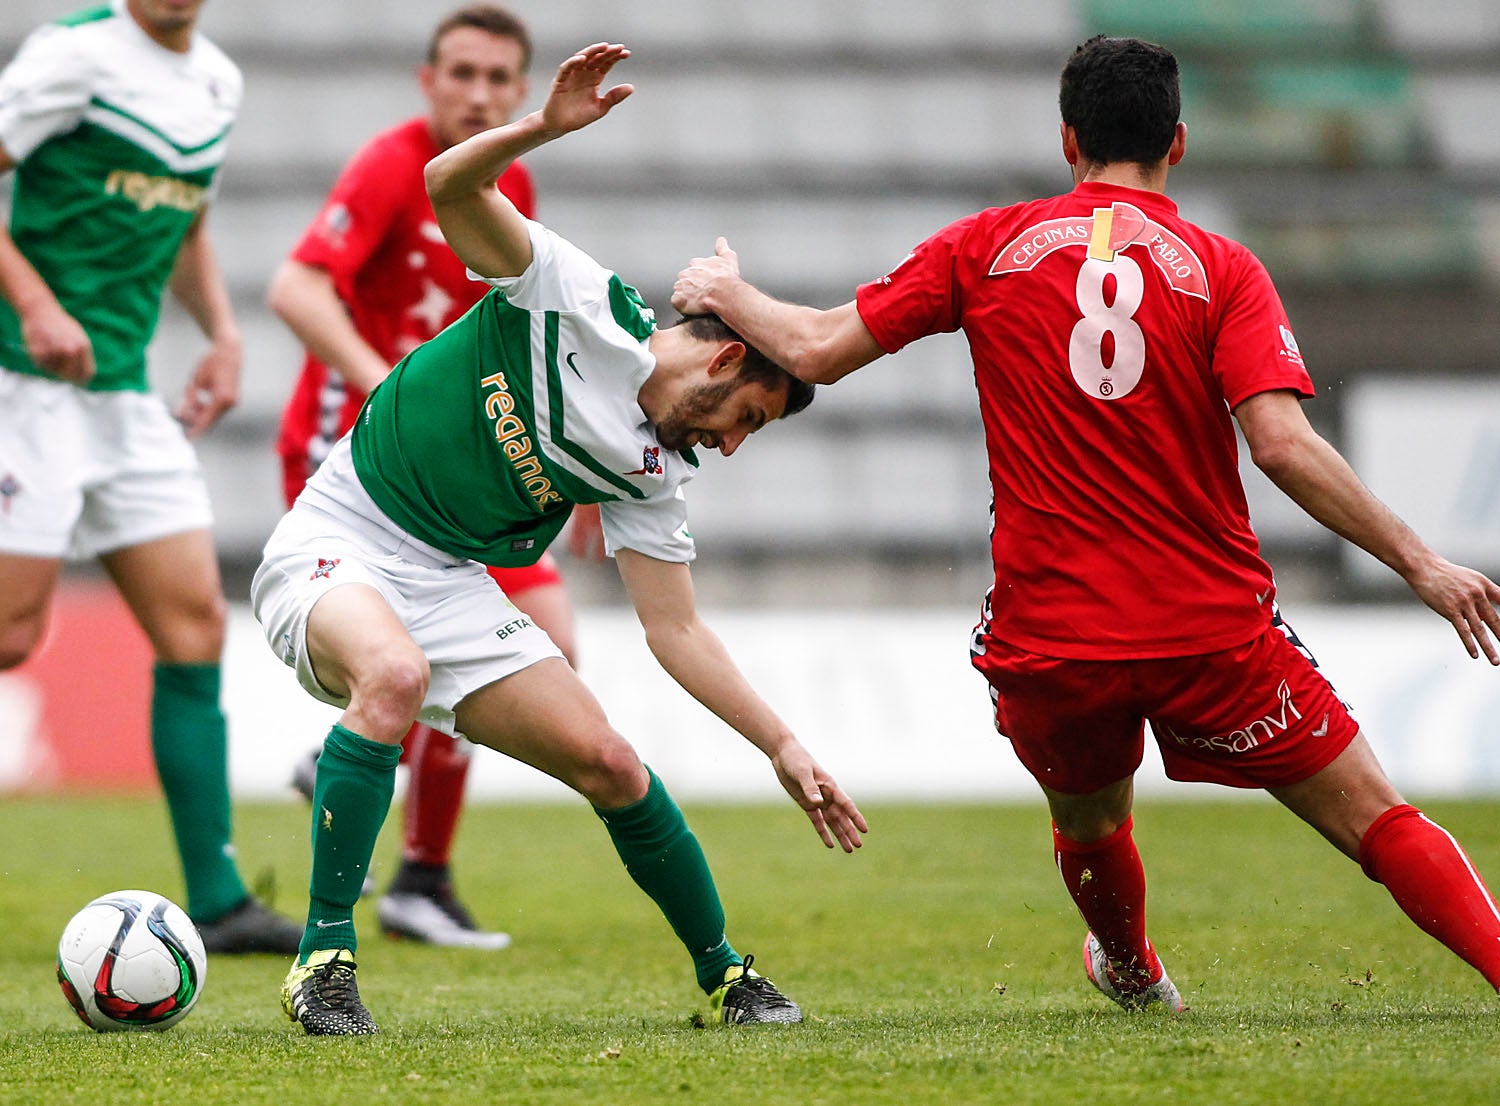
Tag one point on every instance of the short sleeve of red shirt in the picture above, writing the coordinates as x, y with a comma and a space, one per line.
919, 296
355, 218
1253, 347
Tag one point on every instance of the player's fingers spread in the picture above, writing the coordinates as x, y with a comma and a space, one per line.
858, 818
1465, 635
847, 831
1483, 629
821, 825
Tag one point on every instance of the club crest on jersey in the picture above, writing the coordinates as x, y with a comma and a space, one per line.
1104, 234
1289, 348
650, 462
10, 487
325, 568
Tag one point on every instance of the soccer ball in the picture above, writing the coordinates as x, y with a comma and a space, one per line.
131, 960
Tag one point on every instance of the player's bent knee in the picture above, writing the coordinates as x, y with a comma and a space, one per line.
610, 775
18, 640
395, 686
14, 649
197, 637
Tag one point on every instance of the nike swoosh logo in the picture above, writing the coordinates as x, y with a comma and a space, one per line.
1322, 731
572, 366
330, 925
1261, 598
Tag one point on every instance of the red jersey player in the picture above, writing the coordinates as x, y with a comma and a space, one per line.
371, 280
1115, 345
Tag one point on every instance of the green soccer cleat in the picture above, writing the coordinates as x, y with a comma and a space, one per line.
322, 995
747, 997
1097, 967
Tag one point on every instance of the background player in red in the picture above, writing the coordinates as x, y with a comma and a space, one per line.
371, 280
1112, 341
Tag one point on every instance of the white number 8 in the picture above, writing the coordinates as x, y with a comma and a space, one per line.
1085, 345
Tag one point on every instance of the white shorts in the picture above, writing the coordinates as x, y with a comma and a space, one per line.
84, 473
470, 632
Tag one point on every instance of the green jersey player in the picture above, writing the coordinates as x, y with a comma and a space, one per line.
115, 122
557, 388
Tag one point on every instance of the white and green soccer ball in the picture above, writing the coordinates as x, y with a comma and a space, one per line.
131, 960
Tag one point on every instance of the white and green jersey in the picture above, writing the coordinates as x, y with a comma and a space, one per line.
481, 440
117, 140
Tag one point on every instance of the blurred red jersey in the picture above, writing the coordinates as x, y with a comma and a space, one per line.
1110, 339
401, 283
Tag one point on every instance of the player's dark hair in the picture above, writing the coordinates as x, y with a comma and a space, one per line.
1122, 98
757, 368
485, 17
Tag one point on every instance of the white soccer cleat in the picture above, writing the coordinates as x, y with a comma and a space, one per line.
419, 917
1096, 965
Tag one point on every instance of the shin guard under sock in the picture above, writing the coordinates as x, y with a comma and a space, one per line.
1434, 882
189, 740
356, 778
665, 860
1108, 885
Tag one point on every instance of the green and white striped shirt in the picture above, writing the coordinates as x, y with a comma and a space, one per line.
481, 440
117, 141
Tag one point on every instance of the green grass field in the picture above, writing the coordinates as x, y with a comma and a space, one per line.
940, 964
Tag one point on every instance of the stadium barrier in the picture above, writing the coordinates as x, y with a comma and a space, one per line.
885, 699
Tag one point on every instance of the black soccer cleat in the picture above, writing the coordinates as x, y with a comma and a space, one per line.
251, 927
321, 994
747, 997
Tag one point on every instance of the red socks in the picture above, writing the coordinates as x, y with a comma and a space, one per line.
439, 767
1417, 861
1108, 884
1432, 879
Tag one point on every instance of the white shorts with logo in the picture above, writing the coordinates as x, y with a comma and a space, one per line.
470, 632
84, 473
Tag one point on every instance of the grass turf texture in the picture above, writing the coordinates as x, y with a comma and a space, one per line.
941, 964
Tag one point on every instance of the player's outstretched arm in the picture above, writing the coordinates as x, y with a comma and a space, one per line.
818, 346
484, 228
1303, 465
693, 655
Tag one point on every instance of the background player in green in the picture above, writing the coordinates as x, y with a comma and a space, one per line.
555, 389
115, 121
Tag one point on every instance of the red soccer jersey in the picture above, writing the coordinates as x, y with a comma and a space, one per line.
378, 239
1110, 340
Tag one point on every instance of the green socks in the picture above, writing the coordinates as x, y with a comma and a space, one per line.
664, 858
356, 778
190, 742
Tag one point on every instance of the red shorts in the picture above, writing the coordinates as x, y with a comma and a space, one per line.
1258, 715
514, 581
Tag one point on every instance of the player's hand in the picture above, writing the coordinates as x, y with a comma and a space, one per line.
213, 388
696, 282
586, 533
1467, 599
831, 811
574, 100
57, 344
